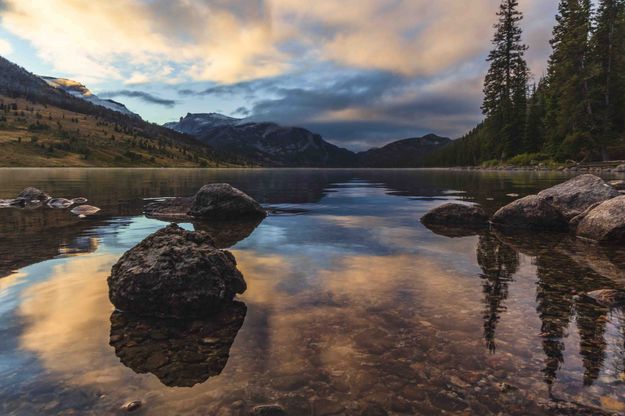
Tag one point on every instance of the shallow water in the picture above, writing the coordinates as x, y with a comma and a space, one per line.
352, 305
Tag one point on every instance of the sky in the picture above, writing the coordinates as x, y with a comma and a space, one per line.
360, 72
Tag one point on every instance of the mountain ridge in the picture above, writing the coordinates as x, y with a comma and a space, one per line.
271, 144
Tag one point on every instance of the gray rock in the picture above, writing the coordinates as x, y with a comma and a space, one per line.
607, 297
220, 201
175, 273
530, 212
59, 203
617, 184
213, 202
85, 210
574, 196
33, 194
605, 223
620, 168
456, 214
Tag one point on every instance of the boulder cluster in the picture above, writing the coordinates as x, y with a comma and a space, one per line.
585, 205
32, 198
181, 274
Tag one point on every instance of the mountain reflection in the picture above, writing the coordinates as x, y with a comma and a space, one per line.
180, 353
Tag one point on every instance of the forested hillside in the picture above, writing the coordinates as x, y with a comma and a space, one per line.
576, 112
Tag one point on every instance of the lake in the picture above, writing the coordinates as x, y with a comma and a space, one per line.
353, 306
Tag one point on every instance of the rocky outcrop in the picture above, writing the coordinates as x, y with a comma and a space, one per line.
181, 353
456, 214
175, 273
530, 212
576, 195
605, 223
213, 202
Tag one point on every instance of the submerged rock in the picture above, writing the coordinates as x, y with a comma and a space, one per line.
220, 201
227, 233
456, 214
530, 212
33, 194
607, 297
171, 209
85, 210
175, 273
605, 223
574, 196
215, 202
181, 353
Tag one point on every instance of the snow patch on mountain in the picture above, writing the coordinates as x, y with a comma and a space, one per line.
78, 90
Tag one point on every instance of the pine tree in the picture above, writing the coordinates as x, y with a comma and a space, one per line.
607, 56
534, 128
569, 119
505, 86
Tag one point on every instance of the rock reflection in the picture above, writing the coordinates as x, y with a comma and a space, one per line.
180, 353
227, 233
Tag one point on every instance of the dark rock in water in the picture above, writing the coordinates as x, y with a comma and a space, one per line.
530, 212
33, 194
85, 210
268, 410
180, 353
220, 201
227, 233
175, 273
456, 214
214, 202
59, 203
170, 209
574, 196
607, 297
12, 203
80, 200
605, 223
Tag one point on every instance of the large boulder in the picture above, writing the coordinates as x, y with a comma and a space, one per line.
214, 202
530, 212
574, 196
456, 214
175, 273
220, 201
605, 223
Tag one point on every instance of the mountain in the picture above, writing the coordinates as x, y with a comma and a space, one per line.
45, 125
406, 153
264, 143
80, 91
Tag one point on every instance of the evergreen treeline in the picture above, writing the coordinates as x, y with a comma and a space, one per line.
575, 112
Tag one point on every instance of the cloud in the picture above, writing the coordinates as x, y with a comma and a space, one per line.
144, 96
5, 47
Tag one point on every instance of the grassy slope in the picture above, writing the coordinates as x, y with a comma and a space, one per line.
44, 135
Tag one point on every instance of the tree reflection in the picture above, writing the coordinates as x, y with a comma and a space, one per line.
499, 263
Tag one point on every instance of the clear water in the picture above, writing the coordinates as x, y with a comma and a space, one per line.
352, 305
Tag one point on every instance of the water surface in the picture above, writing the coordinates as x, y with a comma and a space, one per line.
352, 305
